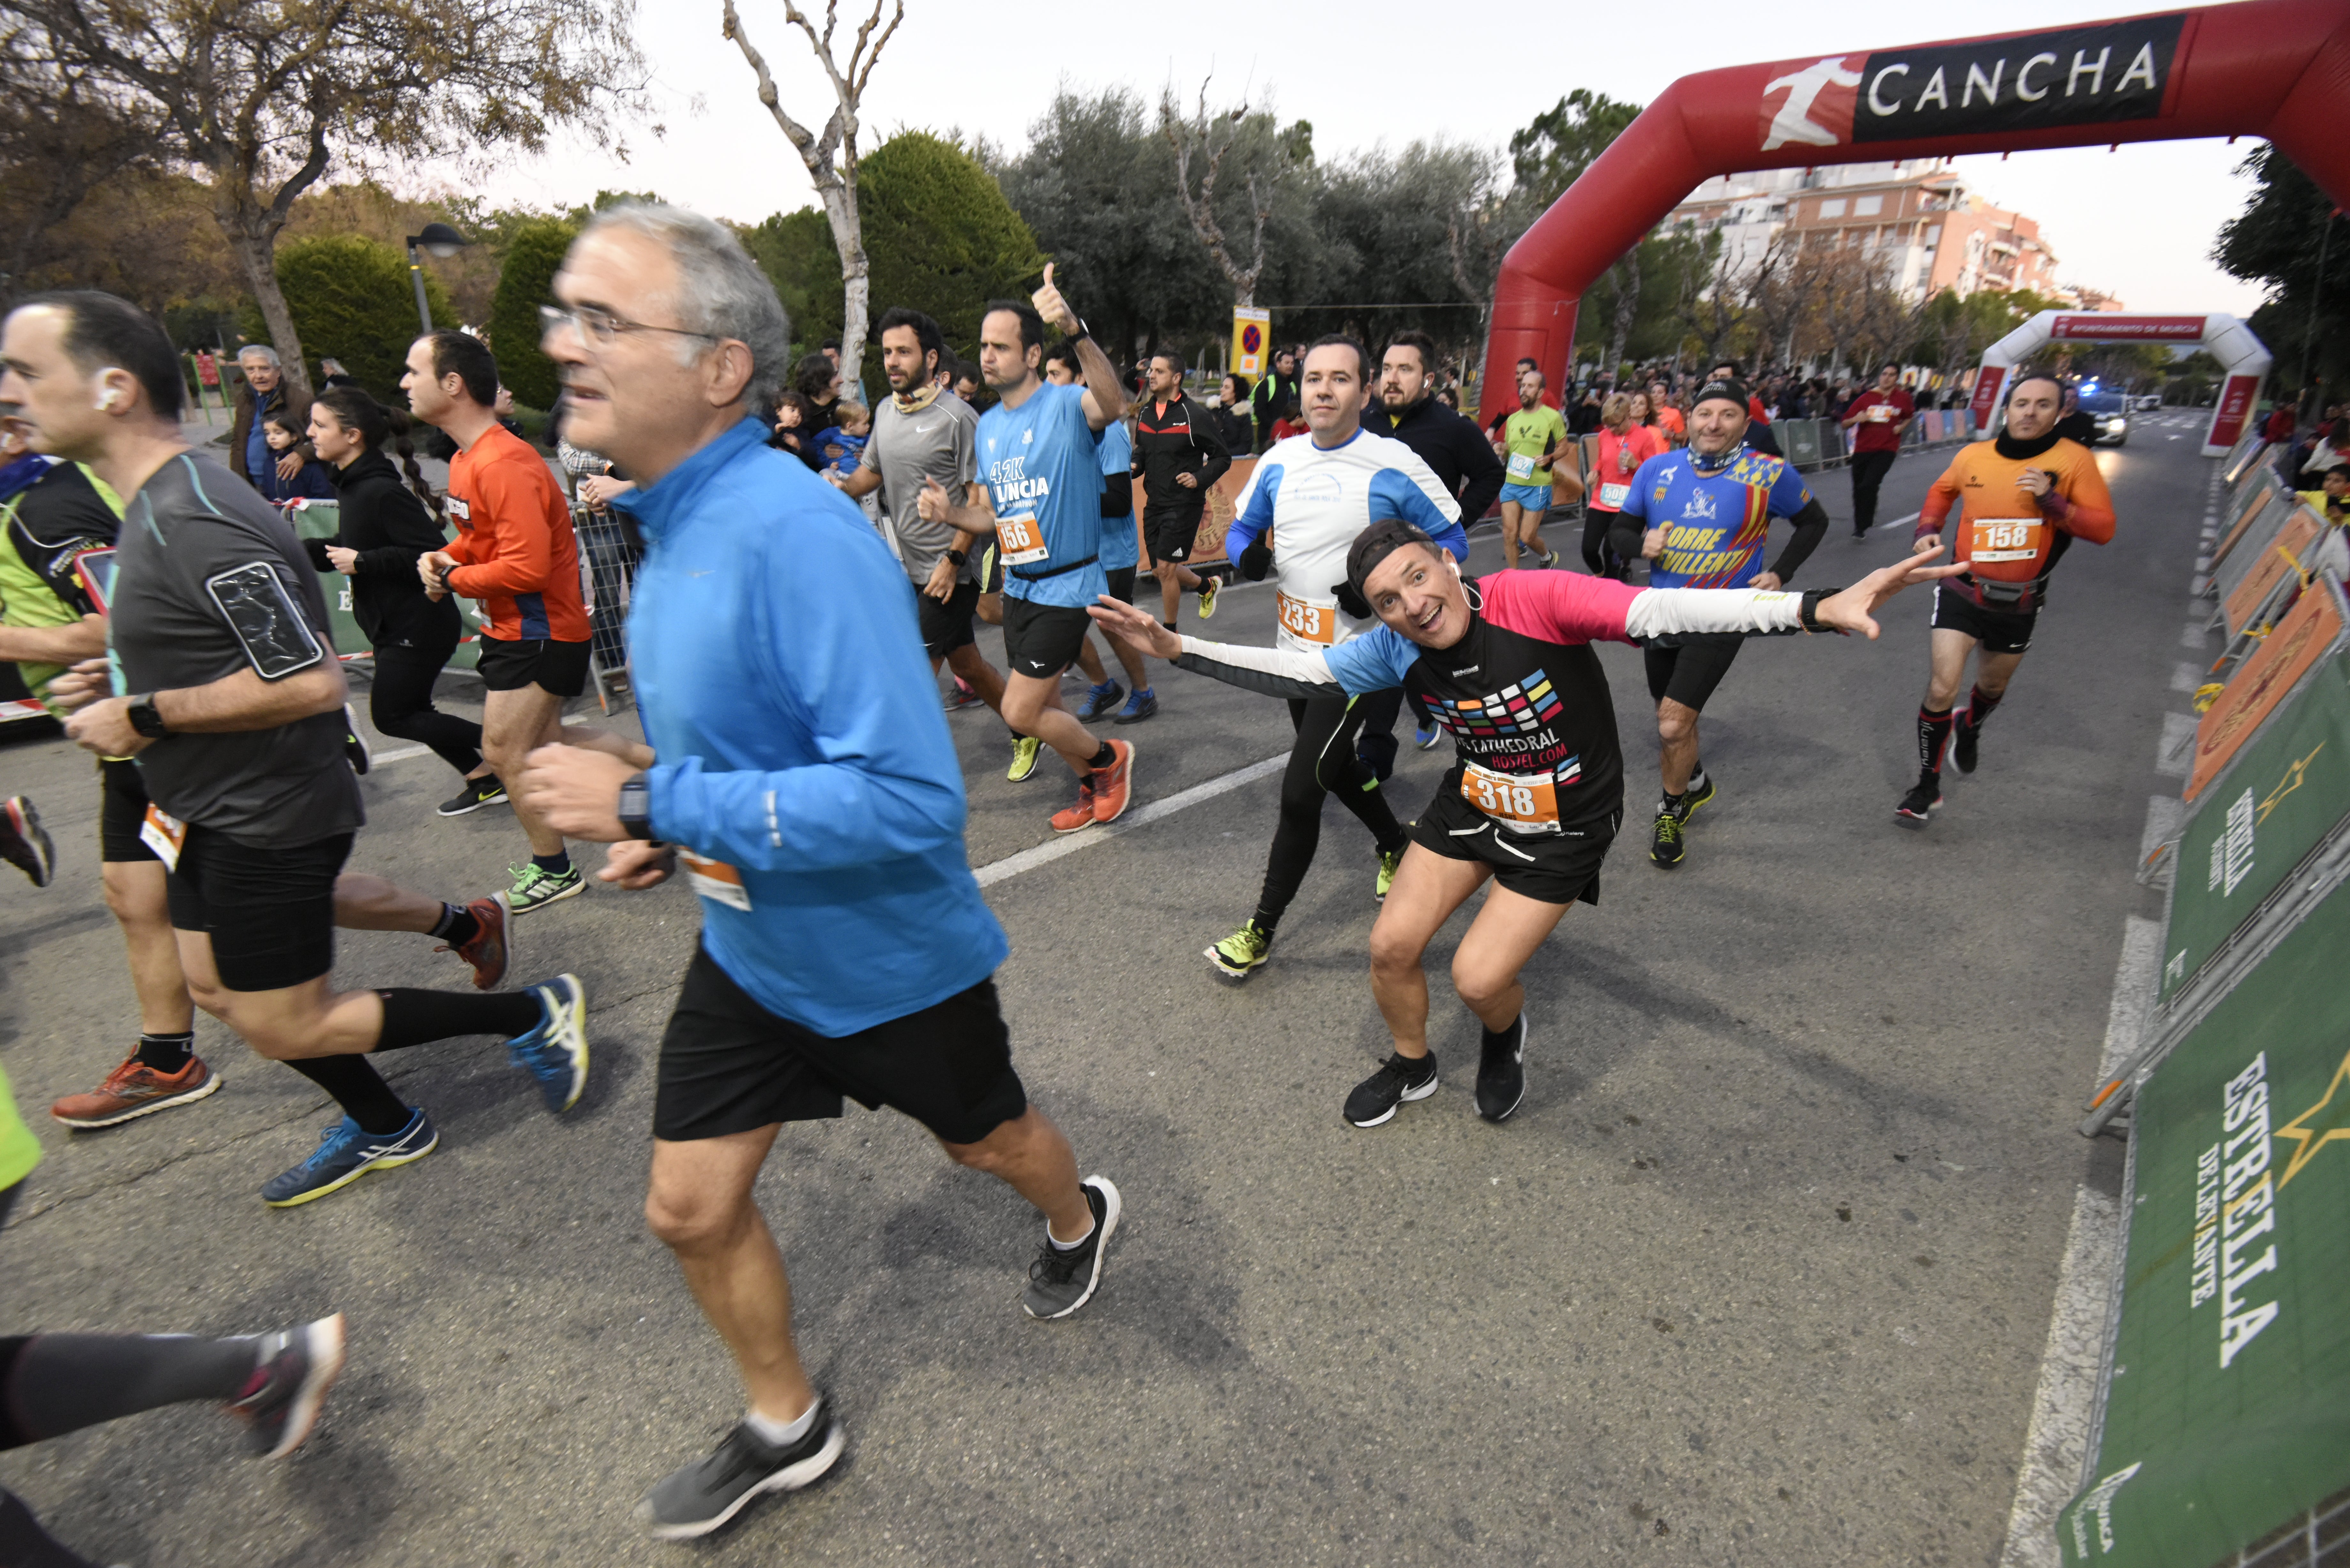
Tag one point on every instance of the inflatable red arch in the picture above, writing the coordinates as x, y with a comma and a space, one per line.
2273, 68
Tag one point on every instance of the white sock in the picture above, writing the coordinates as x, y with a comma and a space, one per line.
1061, 1246
782, 1434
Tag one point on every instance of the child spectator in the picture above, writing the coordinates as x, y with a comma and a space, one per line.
1288, 423
311, 484
842, 444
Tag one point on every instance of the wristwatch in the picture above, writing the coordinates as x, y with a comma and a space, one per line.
957, 556
146, 719
637, 807
1809, 606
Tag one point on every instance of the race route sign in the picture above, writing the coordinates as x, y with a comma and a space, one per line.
2034, 81
2101, 328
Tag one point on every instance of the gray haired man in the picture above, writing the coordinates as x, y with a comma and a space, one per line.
807, 787
265, 395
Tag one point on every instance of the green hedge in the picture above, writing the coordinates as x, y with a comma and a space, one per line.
351, 300
525, 282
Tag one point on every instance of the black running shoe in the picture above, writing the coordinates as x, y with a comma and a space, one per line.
355, 747
1501, 1071
1665, 848
1965, 738
1697, 794
474, 794
708, 1492
1061, 1281
292, 1369
1400, 1078
1915, 807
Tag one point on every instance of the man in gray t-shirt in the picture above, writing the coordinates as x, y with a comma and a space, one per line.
924, 435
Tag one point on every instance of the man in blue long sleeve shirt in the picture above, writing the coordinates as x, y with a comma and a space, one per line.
806, 785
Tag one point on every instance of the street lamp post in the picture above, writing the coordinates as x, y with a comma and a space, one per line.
443, 242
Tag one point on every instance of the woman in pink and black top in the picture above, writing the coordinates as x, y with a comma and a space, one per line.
1624, 446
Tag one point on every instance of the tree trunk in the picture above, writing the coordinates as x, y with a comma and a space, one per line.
254, 243
1626, 273
856, 274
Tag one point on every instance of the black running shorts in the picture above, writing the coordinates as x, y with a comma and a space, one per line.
558, 669
1121, 584
270, 911
1171, 534
946, 626
121, 807
729, 1065
1689, 673
1553, 868
1997, 630
1042, 640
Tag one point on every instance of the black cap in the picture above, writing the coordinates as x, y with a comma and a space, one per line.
1372, 545
1728, 391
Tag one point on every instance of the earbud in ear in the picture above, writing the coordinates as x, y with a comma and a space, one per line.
111, 400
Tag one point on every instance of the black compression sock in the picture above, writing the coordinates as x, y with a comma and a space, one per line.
1933, 733
1980, 705
1105, 758
1492, 1039
456, 927
359, 1089
555, 864
61, 1383
420, 1017
1264, 922
167, 1053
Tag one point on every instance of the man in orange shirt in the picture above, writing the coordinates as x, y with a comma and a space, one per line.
515, 553
2023, 497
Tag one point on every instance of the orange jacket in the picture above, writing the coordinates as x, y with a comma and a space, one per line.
2005, 533
515, 547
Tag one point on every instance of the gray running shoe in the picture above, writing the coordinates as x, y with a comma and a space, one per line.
705, 1494
1060, 1282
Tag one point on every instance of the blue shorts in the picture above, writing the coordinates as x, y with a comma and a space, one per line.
1532, 497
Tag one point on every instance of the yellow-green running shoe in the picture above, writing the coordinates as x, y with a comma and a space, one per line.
1387, 865
1208, 587
1023, 757
1242, 951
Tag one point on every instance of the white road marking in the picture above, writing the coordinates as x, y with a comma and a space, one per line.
2186, 677
2055, 1444
2175, 754
2197, 636
1028, 859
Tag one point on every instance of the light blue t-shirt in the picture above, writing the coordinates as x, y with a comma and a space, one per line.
1040, 468
1120, 548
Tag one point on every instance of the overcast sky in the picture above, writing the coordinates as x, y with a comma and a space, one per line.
2138, 223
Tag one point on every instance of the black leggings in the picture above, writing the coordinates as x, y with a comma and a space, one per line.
402, 705
1596, 554
1322, 762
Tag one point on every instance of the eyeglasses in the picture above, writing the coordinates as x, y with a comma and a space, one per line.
601, 328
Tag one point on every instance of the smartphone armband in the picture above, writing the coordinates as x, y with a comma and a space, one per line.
255, 602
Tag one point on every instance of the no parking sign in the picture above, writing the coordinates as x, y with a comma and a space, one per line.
1251, 331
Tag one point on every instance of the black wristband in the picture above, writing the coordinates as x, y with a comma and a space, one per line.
1808, 610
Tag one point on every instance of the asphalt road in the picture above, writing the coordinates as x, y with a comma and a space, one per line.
1760, 1274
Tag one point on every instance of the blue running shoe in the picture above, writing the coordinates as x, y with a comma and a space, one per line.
556, 1053
1138, 707
345, 1154
1100, 701
1425, 736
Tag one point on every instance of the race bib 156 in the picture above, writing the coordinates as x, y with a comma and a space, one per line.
1020, 541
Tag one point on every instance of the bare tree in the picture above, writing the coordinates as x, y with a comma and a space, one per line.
1199, 136
261, 94
831, 155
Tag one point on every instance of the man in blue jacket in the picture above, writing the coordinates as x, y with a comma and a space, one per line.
807, 787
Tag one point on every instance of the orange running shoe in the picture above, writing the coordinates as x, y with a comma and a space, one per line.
1080, 815
1113, 786
135, 1090
487, 951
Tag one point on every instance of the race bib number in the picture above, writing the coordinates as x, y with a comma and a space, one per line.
1611, 496
2006, 539
1308, 622
1522, 805
1522, 467
715, 879
165, 834
1019, 541
1879, 412
460, 509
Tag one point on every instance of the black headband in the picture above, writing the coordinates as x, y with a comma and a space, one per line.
1372, 545
1728, 391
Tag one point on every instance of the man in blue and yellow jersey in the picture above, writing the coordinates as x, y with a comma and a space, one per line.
1700, 516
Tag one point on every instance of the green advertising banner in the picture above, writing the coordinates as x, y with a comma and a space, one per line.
2284, 792
2227, 1409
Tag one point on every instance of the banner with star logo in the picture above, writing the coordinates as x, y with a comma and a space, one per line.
2226, 1413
